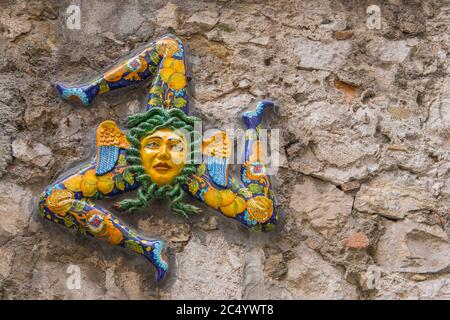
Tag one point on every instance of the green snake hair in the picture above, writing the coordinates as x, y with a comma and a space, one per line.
142, 125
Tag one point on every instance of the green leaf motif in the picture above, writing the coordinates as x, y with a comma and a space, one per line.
81, 230
68, 221
128, 176
152, 69
244, 192
41, 211
154, 57
156, 102
90, 202
234, 183
120, 183
201, 170
257, 227
122, 160
179, 102
157, 90
193, 186
103, 86
79, 205
255, 188
134, 245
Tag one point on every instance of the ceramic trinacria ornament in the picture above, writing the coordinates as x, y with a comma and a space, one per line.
155, 157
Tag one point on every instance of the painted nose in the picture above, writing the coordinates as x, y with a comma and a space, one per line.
164, 154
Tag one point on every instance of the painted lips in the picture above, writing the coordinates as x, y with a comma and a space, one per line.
162, 166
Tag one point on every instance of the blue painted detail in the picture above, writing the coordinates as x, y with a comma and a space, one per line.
251, 139
107, 159
247, 219
160, 264
76, 92
86, 93
180, 93
253, 118
180, 52
201, 195
218, 170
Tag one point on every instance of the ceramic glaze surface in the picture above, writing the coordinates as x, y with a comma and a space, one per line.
151, 158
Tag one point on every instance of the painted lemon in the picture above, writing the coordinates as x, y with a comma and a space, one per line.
226, 197
88, 190
175, 64
236, 207
88, 183
105, 183
166, 73
73, 183
212, 198
173, 74
177, 81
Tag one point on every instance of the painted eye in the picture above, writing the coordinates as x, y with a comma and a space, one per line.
178, 147
152, 145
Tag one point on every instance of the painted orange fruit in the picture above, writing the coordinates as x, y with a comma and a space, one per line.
60, 201
166, 47
114, 75
260, 208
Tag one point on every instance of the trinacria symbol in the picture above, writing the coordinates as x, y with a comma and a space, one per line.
154, 158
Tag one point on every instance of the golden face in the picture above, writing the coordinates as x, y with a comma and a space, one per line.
163, 155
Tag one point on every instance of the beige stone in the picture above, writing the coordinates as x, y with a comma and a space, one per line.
322, 204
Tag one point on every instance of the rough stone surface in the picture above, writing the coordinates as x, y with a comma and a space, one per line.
412, 247
32, 152
364, 147
322, 204
390, 51
316, 55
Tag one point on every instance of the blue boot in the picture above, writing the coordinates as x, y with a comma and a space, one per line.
83, 94
154, 251
253, 118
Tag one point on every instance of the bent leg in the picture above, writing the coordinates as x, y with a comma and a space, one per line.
255, 152
249, 202
164, 58
65, 204
253, 171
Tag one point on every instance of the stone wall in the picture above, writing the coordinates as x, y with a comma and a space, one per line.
364, 118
